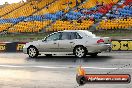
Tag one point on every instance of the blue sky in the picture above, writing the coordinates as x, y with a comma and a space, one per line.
10, 1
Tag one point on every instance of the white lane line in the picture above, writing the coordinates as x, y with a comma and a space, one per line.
60, 67
106, 68
22, 66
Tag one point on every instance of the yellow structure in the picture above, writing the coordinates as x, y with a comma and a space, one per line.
70, 25
115, 24
25, 27
27, 9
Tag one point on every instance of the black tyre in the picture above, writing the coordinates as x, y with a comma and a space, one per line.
33, 52
80, 51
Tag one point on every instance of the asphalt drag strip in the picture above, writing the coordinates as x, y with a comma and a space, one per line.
19, 71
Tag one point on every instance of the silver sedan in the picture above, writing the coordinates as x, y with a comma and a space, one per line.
69, 42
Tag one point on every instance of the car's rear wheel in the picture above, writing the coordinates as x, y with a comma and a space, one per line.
80, 51
33, 52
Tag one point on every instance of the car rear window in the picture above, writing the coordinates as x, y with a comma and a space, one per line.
89, 34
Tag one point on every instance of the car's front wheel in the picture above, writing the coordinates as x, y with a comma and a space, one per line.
80, 51
33, 52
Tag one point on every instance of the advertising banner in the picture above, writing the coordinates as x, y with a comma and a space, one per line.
117, 45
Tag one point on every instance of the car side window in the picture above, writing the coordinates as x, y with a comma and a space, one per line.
75, 35
78, 36
53, 37
65, 36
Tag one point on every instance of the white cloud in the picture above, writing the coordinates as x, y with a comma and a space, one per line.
10, 1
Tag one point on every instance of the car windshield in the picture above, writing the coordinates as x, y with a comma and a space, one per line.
89, 34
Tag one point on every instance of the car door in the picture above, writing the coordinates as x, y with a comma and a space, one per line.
50, 44
67, 41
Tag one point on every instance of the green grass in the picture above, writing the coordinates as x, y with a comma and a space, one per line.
116, 34
113, 34
22, 37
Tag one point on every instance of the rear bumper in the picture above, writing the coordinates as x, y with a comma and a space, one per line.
99, 48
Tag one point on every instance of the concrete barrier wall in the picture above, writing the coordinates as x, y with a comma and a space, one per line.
11, 46
122, 45
117, 45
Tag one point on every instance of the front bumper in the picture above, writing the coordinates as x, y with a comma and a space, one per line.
25, 50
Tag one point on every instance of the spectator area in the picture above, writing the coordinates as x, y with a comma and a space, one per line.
55, 15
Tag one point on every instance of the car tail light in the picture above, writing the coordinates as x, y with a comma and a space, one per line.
100, 41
